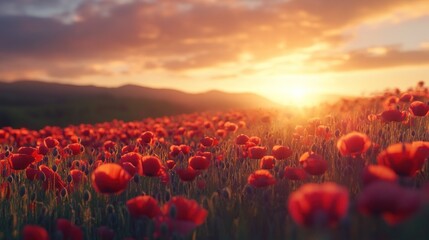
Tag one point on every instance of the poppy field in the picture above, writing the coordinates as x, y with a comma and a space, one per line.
355, 169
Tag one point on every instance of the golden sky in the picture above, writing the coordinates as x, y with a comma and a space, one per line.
285, 50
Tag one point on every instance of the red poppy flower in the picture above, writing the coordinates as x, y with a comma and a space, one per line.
230, 127
323, 132
51, 179
267, 162
110, 178
105, 233
406, 97
254, 139
34, 232
241, 139
374, 173
143, 206
75, 148
393, 202
187, 174
419, 109
281, 152
109, 145
313, 163
207, 141
151, 166
147, 137
261, 178
318, 204
129, 148
171, 164
78, 177
68, 230
257, 152
50, 142
185, 148
406, 159
185, 210
393, 115
20, 161
199, 162
135, 159
31, 173
353, 144
292, 173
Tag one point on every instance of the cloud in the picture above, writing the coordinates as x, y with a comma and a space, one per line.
173, 36
376, 58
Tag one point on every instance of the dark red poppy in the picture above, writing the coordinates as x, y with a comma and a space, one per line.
20, 161
257, 152
151, 166
185, 148
143, 206
353, 144
318, 204
267, 162
135, 159
105, 233
419, 109
109, 145
293, 173
171, 164
207, 141
147, 137
241, 139
281, 152
406, 97
187, 174
261, 178
129, 148
313, 163
110, 178
51, 180
31, 172
68, 230
34, 232
393, 115
406, 159
50, 142
374, 173
393, 202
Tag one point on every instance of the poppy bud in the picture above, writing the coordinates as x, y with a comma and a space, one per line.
173, 211
86, 196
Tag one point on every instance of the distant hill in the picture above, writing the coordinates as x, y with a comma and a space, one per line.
34, 104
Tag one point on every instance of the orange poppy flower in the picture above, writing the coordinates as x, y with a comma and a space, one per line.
281, 152
267, 162
353, 144
318, 204
261, 178
406, 159
374, 173
110, 178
